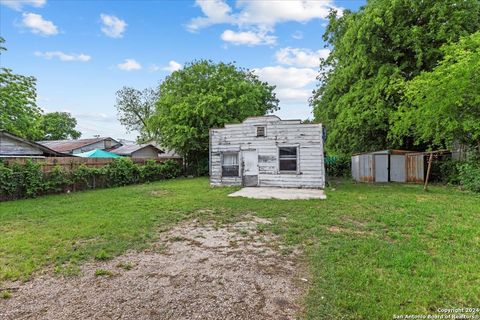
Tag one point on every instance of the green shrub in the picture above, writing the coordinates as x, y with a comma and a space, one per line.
469, 173
28, 178
170, 169
8, 184
337, 166
89, 178
448, 171
150, 171
57, 180
121, 172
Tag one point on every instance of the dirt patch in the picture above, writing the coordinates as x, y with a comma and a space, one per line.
355, 222
159, 193
202, 272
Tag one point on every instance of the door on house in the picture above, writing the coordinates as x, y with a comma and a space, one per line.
381, 167
250, 168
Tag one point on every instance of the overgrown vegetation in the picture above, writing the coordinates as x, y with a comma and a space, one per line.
401, 74
469, 172
27, 180
338, 166
372, 250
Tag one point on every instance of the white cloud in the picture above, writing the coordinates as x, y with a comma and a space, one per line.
38, 25
129, 65
269, 13
260, 14
249, 38
173, 66
113, 26
18, 4
154, 68
301, 57
287, 77
256, 20
293, 87
63, 56
215, 11
297, 35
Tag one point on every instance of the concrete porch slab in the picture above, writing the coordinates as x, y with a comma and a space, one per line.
279, 193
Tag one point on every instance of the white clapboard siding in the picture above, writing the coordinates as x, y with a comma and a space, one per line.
243, 136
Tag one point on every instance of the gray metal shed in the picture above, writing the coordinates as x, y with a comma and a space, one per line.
388, 166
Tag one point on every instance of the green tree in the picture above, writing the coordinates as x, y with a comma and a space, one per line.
19, 113
134, 109
444, 104
59, 126
375, 51
206, 95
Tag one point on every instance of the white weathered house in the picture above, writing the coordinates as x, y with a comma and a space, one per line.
267, 151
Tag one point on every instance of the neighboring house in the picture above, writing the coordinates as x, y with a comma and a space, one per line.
14, 146
81, 145
169, 154
126, 141
267, 151
166, 153
138, 151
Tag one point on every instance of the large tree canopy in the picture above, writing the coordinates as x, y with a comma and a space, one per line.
19, 113
58, 126
135, 108
374, 52
444, 104
205, 95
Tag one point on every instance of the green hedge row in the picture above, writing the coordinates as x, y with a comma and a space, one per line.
27, 180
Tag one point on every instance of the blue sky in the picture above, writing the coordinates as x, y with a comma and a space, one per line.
82, 52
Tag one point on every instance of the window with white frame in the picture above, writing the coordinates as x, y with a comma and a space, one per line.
287, 158
230, 164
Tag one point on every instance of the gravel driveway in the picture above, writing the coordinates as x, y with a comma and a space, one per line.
193, 271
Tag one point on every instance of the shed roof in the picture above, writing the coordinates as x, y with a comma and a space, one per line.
43, 148
131, 148
388, 151
68, 145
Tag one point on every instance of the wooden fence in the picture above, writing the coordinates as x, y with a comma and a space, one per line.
71, 163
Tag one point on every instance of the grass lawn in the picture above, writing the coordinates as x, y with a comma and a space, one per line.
373, 250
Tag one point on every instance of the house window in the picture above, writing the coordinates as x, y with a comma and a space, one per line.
287, 158
260, 131
230, 164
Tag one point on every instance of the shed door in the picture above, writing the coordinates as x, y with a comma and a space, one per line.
381, 168
356, 168
250, 168
397, 168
